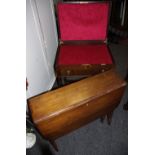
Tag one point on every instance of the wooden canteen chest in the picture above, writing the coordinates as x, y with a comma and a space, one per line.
83, 49
63, 110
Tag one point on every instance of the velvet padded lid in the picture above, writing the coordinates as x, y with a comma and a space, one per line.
83, 21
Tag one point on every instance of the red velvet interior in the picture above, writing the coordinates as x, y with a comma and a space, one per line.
84, 54
86, 21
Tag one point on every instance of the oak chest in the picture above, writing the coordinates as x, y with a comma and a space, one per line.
61, 111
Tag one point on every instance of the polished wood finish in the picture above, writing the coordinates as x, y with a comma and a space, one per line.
109, 117
83, 69
63, 110
81, 42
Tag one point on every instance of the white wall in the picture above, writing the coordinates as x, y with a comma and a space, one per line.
47, 20
41, 44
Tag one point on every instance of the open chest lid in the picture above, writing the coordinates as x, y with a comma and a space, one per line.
83, 21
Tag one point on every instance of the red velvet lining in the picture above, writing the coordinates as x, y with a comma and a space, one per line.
83, 21
84, 54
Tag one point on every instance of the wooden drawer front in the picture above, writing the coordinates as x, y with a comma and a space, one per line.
65, 122
85, 69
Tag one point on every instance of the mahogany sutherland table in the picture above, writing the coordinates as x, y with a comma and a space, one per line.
63, 110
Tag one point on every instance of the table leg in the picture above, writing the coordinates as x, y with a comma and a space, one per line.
102, 118
53, 143
59, 81
109, 117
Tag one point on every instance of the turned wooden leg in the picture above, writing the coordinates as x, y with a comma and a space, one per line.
109, 117
102, 119
54, 145
59, 81
63, 80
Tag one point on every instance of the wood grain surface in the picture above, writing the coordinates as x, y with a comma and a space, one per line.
63, 110
83, 69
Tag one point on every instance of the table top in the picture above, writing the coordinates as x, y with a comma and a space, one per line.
54, 102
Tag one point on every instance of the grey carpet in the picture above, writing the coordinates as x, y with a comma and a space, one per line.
96, 138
